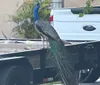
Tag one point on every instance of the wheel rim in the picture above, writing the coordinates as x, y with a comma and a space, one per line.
84, 74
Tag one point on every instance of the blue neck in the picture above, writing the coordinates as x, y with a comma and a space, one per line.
36, 14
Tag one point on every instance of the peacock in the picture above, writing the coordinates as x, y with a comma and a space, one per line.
43, 26
61, 56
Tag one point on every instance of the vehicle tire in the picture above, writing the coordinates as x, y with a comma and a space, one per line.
14, 75
89, 76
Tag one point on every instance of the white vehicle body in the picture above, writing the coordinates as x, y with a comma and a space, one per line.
70, 26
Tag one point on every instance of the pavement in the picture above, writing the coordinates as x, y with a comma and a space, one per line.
97, 83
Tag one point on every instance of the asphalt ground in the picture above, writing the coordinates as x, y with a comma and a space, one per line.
79, 84
97, 83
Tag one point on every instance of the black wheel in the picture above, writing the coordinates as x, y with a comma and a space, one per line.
89, 75
14, 75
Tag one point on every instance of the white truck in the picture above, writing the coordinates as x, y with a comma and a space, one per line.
83, 37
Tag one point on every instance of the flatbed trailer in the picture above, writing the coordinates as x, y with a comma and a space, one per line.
33, 67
